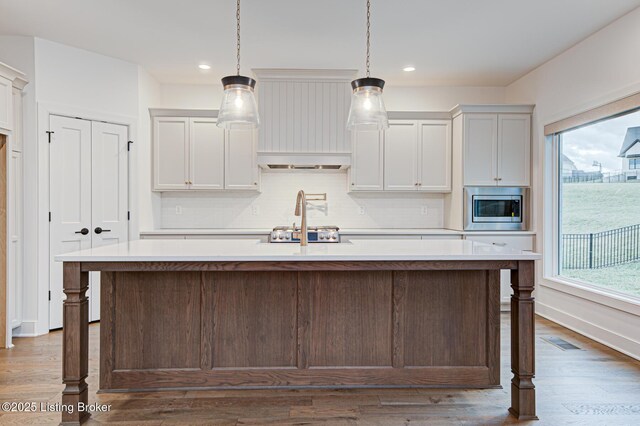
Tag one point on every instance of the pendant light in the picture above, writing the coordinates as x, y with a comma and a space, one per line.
367, 107
239, 108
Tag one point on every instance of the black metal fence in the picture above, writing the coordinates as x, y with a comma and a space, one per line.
629, 176
600, 249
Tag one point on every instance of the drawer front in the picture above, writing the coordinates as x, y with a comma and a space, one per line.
517, 242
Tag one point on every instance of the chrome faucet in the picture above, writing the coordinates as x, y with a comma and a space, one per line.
301, 210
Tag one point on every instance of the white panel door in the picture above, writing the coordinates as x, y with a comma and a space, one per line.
241, 167
70, 199
6, 104
14, 243
207, 154
514, 149
367, 161
170, 153
434, 152
480, 149
401, 156
109, 196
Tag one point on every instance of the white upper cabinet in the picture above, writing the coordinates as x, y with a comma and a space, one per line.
497, 149
240, 166
480, 149
192, 153
170, 153
400, 156
514, 149
411, 155
17, 140
367, 161
206, 154
6, 104
434, 155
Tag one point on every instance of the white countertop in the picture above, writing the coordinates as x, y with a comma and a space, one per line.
343, 231
233, 250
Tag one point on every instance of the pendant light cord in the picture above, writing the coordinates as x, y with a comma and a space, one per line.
368, 35
238, 37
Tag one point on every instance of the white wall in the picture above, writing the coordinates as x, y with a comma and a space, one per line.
18, 52
600, 69
85, 80
276, 202
402, 98
148, 203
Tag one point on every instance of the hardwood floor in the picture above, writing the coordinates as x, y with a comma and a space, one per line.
593, 385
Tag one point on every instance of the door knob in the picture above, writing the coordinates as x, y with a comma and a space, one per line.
99, 230
83, 231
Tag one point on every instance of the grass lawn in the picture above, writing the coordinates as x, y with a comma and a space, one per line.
596, 207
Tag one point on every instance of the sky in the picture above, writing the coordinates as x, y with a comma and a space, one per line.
599, 142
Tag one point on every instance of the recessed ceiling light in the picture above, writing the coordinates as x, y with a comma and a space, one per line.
204, 67
409, 69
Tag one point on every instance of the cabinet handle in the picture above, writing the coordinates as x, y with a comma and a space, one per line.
99, 230
352, 184
83, 231
499, 178
499, 244
255, 183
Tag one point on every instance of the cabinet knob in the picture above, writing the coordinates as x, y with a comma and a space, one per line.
352, 184
255, 183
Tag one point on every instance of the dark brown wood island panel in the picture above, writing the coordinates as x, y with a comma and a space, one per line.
425, 325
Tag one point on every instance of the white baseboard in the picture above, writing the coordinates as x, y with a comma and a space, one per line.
592, 331
27, 329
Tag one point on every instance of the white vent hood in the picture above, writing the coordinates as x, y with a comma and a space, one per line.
303, 116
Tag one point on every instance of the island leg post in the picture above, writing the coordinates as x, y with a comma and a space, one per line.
75, 351
523, 392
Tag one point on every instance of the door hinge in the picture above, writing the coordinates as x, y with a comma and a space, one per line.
128, 215
129, 145
49, 216
49, 294
49, 133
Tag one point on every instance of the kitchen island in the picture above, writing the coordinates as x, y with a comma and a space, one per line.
187, 314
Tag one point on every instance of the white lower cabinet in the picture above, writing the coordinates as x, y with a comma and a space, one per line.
518, 242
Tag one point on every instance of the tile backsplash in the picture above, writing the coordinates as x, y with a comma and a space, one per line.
275, 205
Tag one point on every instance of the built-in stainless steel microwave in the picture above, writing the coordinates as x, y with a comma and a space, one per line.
496, 209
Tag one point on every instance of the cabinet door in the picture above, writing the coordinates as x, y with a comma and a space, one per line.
480, 149
170, 153
434, 153
241, 164
207, 154
367, 162
6, 104
400, 156
17, 139
514, 149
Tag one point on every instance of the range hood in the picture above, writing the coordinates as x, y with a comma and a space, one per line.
304, 119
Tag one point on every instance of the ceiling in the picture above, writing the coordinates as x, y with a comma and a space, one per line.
462, 42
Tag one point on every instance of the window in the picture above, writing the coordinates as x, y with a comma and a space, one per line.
599, 200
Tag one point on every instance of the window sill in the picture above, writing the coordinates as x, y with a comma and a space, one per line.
621, 302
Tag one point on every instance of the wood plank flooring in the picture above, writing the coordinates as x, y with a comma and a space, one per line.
591, 386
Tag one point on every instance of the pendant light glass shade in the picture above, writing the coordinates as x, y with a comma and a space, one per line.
239, 107
367, 109
367, 106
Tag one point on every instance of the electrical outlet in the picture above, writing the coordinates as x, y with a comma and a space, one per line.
361, 211
178, 209
424, 210
255, 210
